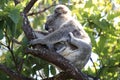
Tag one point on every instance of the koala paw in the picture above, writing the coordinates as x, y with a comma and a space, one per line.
32, 42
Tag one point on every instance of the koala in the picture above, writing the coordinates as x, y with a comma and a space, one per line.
54, 22
62, 27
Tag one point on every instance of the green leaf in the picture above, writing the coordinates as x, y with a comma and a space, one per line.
103, 24
24, 41
1, 24
14, 15
101, 43
89, 4
11, 26
2, 3
52, 70
46, 70
1, 34
112, 15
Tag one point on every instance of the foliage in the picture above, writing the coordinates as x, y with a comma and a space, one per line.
101, 19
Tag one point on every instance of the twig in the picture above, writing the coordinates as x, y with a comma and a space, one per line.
10, 48
39, 12
93, 65
3, 44
17, 42
16, 2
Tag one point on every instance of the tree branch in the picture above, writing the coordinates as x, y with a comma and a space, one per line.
60, 76
29, 6
27, 28
34, 13
58, 60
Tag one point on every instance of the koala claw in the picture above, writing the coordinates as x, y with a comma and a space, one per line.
71, 36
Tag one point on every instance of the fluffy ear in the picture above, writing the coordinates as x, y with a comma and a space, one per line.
62, 9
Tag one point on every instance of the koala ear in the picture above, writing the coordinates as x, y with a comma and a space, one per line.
61, 9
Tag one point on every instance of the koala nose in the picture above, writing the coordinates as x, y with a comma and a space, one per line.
46, 27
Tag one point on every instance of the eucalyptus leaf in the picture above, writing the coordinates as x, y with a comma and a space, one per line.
14, 15
52, 70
